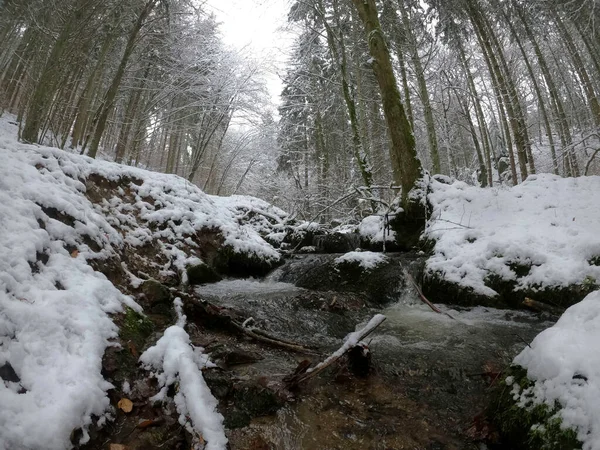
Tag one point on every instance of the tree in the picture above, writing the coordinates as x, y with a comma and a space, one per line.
405, 162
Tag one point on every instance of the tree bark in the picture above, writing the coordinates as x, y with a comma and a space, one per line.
406, 166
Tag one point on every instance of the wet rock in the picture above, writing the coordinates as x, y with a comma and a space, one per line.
251, 400
202, 274
233, 356
7, 373
244, 265
155, 293
336, 242
379, 285
156, 298
509, 294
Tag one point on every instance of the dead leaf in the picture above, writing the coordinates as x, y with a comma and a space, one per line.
117, 447
133, 350
75, 253
150, 423
125, 405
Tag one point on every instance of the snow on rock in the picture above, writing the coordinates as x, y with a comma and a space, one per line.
175, 360
371, 229
59, 213
564, 363
547, 225
366, 260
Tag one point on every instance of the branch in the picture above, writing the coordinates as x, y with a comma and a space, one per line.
352, 340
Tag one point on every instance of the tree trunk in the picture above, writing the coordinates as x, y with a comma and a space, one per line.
108, 101
403, 155
423, 92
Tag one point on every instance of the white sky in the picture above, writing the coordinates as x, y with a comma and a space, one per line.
256, 26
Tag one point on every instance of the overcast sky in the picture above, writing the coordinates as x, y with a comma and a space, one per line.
256, 26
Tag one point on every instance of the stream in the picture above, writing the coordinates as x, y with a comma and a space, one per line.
431, 372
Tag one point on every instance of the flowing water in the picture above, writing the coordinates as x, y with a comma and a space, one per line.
431, 375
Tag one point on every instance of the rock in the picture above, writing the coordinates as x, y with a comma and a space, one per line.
233, 356
515, 423
336, 242
7, 373
155, 293
251, 400
379, 285
202, 274
244, 265
509, 294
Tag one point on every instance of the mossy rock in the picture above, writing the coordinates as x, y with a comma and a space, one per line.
155, 293
120, 364
537, 427
135, 327
336, 242
237, 264
202, 274
157, 298
508, 292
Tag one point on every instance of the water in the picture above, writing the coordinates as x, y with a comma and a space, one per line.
431, 371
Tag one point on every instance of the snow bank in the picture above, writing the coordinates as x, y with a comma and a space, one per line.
54, 308
546, 223
564, 363
366, 260
176, 360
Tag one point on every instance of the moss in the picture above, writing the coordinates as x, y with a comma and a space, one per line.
135, 328
537, 427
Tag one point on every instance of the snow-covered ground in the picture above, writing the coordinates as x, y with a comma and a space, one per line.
549, 223
55, 310
564, 363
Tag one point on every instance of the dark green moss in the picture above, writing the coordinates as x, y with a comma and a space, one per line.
135, 328
537, 427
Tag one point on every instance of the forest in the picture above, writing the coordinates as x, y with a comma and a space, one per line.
399, 248
493, 92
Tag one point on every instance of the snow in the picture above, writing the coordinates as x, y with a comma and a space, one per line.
175, 360
547, 222
55, 310
54, 317
366, 260
371, 228
564, 363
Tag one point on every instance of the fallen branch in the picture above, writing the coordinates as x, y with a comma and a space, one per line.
352, 341
420, 292
542, 307
262, 336
590, 160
